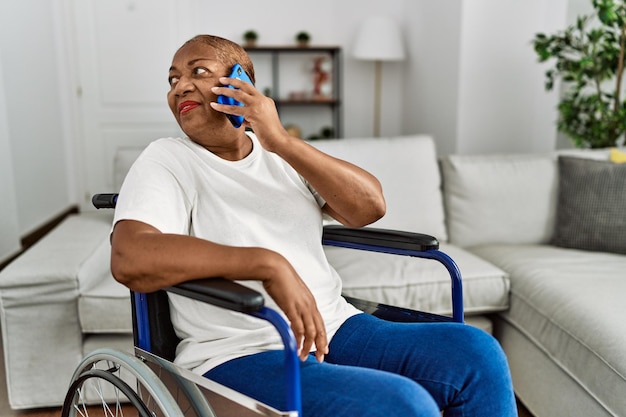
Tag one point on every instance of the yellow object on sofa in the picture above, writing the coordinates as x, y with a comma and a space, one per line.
617, 156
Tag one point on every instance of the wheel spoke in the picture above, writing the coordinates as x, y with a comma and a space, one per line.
101, 379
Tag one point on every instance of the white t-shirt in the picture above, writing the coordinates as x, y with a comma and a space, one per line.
179, 187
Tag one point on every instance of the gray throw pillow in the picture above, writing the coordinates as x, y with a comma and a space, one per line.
591, 205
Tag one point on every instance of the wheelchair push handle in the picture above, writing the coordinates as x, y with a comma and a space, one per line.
104, 201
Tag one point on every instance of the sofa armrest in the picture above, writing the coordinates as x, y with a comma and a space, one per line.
39, 304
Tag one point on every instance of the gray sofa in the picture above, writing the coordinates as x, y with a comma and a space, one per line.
564, 332
555, 310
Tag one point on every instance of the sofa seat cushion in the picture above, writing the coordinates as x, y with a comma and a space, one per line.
420, 284
103, 303
570, 303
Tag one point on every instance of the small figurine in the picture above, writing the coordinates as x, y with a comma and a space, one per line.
321, 77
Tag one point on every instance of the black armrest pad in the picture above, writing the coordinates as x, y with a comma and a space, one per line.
380, 237
222, 293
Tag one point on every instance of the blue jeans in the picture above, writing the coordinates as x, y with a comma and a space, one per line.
379, 368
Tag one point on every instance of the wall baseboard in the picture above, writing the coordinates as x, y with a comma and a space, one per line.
33, 237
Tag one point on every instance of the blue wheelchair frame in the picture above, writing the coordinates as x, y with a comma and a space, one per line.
230, 295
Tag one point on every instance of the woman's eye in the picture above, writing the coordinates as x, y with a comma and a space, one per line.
172, 80
200, 70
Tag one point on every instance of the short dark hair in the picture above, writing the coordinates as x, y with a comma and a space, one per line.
229, 52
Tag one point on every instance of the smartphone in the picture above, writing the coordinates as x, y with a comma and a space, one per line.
239, 73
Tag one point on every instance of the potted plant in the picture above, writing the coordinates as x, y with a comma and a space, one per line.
303, 38
250, 37
589, 58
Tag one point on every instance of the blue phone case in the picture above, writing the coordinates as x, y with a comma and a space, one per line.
239, 73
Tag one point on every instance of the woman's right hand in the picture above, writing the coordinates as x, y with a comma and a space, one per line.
295, 299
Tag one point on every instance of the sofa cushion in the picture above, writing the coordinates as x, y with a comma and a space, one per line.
103, 303
499, 198
570, 303
420, 284
591, 205
414, 200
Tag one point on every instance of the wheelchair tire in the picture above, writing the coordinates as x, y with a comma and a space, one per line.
101, 385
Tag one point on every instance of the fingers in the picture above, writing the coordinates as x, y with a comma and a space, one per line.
240, 91
237, 83
310, 332
255, 105
308, 329
321, 342
228, 109
297, 302
298, 328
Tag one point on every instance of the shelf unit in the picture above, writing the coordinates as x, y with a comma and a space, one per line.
334, 102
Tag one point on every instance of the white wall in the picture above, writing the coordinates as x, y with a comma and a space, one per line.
502, 103
474, 80
33, 111
575, 8
9, 234
432, 70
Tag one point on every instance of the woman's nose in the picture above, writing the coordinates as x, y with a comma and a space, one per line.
184, 85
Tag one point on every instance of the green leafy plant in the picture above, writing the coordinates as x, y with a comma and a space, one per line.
303, 38
250, 37
589, 58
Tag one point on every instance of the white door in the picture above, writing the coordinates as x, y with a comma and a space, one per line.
124, 50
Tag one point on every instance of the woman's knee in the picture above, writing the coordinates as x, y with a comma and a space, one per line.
488, 365
394, 396
486, 350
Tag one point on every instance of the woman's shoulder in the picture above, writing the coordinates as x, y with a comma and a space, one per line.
166, 148
167, 143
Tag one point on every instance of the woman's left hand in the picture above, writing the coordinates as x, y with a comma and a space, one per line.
258, 110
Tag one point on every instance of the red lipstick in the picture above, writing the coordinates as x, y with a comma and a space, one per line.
186, 106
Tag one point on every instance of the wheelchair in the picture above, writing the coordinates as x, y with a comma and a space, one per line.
115, 383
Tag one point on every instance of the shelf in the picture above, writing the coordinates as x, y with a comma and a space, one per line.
316, 102
333, 103
294, 48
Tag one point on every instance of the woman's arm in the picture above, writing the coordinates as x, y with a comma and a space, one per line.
353, 196
145, 260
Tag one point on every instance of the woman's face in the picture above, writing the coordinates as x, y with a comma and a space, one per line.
195, 69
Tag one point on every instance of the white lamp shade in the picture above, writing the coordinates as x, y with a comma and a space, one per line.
379, 39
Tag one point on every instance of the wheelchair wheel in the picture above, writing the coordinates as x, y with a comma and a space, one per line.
112, 383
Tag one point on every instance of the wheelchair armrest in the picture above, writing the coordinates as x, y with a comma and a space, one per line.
379, 237
399, 243
231, 295
395, 313
221, 292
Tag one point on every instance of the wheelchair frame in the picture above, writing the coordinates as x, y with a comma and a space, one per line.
153, 341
